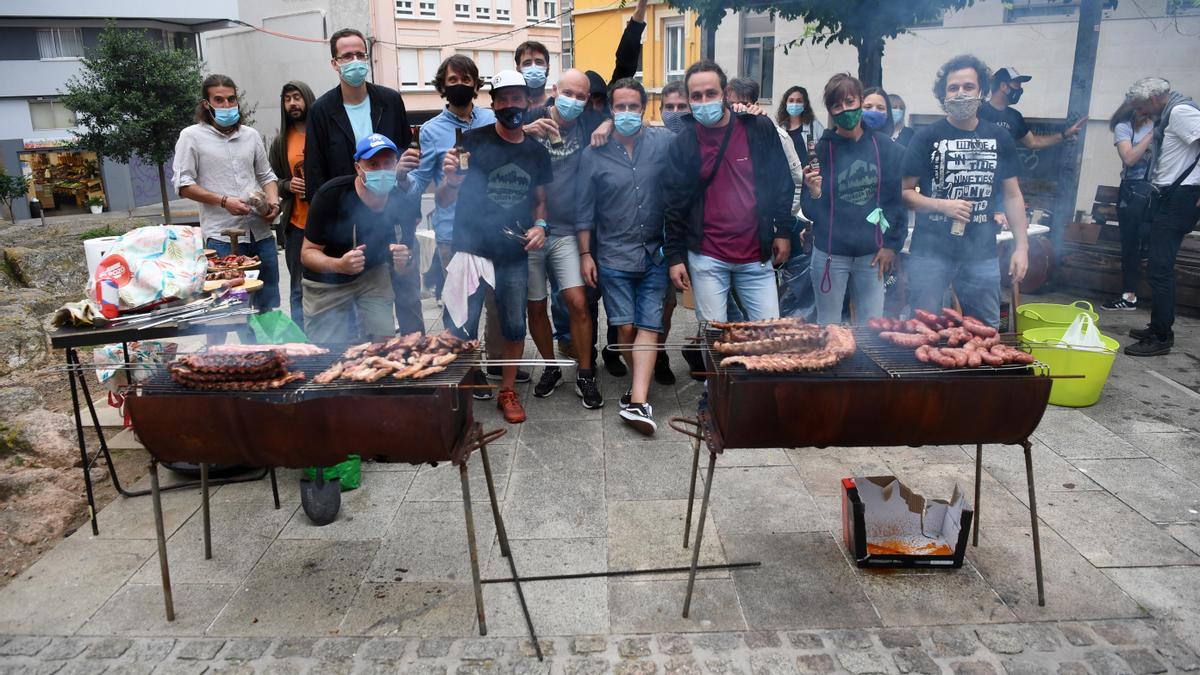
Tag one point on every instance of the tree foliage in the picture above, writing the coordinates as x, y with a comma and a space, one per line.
11, 187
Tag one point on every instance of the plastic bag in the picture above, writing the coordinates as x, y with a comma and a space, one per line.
275, 328
147, 266
1083, 333
348, 472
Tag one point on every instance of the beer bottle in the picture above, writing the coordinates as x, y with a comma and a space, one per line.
464, 157
416, 138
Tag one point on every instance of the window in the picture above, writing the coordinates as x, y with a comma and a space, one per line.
550, 11
430, 60
936, 22
568, 58
51, 115
428, 7
462, 10
1180, 7
409, 75
483, 9
531, 11
504, 10
758, 62
404, 7
60, 43
1027, 11
486, 62
674, 61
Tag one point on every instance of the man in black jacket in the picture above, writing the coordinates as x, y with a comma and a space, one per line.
342, 117
728, 202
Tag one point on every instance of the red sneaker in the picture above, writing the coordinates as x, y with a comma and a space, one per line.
508, 404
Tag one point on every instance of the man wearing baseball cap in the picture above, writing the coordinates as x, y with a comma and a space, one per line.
1007, 88
359, 228
500, 216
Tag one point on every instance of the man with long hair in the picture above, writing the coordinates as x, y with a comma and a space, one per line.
287, 161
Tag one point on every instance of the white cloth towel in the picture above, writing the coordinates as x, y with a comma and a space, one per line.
463, 275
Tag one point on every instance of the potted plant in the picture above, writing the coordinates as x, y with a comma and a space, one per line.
96, 204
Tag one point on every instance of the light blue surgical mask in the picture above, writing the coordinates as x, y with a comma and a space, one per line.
795, 109
380, 182
627, 123
709, 114
535, 76
897, 115
568, 108
354, 73
226, 117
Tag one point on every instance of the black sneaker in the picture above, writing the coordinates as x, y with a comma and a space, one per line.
641, 417
497, 373
481, 390
613, 363
1143, 333
1151, 346
587, 389
1120, 304
662, 369
626, 399
695, 361
551, 379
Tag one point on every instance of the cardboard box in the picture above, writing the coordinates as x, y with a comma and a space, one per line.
1083, 233
885, 524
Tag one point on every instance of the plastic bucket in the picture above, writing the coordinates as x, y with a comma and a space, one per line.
1047, 315
1093, 364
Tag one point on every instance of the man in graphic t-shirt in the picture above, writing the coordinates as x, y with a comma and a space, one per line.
966, 170
500, 217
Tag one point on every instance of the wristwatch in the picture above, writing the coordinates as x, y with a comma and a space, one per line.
540, 223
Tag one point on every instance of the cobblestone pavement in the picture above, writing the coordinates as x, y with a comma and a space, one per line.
1137, 647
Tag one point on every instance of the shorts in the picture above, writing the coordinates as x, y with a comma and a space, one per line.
512, 279
342, 313
559, 257
635, 297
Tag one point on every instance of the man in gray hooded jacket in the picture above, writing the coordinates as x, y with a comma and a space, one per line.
287, 161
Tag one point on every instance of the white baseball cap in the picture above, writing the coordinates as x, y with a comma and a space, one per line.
507, 78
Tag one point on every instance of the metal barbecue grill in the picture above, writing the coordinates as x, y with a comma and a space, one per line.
878, 397
304, 424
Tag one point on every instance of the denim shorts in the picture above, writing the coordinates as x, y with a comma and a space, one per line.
512, 279
635, 297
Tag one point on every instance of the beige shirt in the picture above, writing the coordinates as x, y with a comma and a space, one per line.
234, 165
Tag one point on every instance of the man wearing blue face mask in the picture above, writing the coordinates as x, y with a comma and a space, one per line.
338, 121
359, 228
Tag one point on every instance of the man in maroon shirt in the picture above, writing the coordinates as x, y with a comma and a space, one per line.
728, 202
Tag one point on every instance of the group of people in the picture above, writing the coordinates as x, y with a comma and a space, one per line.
555, 199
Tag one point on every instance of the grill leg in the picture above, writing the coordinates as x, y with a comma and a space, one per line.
87, 400
978, 481
160, 532
466, 490
687, 600
274, 487
205, 511
501, 533
72, 373
1033, 517
687, 525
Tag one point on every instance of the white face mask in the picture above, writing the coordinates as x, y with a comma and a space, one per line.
961, 108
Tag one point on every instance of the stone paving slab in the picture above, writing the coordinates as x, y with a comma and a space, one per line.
1109, 533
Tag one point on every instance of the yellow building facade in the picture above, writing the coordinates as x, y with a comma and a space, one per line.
670, 43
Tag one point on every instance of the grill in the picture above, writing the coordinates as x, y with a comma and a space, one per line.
881, 396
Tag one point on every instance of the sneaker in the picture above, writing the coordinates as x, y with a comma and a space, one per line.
662, 369
551, 379
510, 407
587, 389
481, 390
497, 373
613, 363
695, 361
626, 399
641, 417
1143, 333
1150, 346
1120, 304
567, 349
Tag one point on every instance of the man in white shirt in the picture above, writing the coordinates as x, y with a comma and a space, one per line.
1176, 149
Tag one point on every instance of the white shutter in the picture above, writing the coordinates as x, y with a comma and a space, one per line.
409, 75
486, 62
504, 10
430, 60
483, 9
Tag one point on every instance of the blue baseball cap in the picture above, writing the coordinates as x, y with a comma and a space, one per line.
372, 144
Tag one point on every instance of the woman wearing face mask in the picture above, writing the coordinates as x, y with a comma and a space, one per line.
796, 117
901, 132
1132, 134
854, 202
877, 111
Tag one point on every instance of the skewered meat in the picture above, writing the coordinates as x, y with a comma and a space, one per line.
249, 363
763, 323
783, 363
293, 349
777, 345
181, 376
406, 356
837, 343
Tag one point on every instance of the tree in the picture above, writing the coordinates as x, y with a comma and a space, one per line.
11, 187
865, 24
133, 97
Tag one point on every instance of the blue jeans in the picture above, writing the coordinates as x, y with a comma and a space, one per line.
796, 296
713, 279
976, 283
866, 288
512, 285
635, 297
267, 297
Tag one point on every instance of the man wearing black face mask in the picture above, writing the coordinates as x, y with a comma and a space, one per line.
1007, 87
287, 161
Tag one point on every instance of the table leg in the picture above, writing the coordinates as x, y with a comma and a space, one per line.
160, 532
274, 488
87, 400
687, 600
1033, 517
687, 525
205, 511
72, 373
978, 481
466, 491
501, 534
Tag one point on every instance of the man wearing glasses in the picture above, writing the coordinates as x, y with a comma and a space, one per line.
337, 122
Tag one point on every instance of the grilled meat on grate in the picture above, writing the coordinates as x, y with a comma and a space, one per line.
413, 356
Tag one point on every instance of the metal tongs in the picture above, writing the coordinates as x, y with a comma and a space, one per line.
515, 232
133, 320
